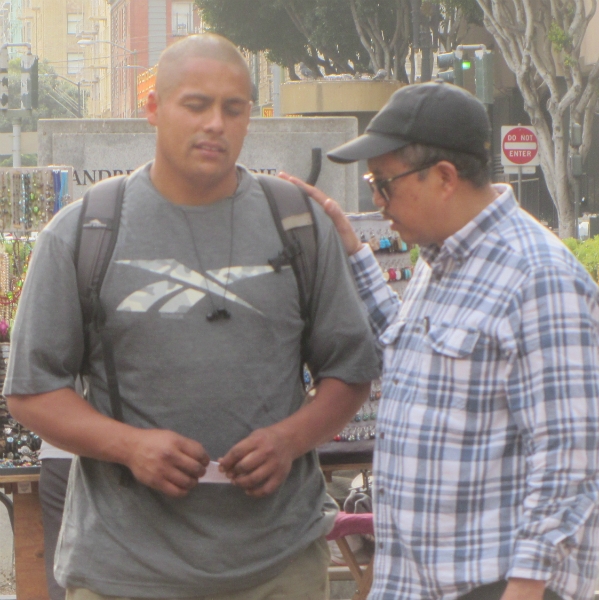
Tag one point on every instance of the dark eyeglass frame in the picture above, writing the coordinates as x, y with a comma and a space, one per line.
381, 185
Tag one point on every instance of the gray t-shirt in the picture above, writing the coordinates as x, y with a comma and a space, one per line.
214, 382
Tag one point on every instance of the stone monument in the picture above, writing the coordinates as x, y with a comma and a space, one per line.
101, 148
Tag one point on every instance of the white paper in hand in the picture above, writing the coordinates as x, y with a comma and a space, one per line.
213, 475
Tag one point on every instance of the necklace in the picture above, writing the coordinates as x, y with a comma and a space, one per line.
216, 314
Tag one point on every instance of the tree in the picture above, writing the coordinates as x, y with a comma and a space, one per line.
451, 20
256, 26
384, 29
57, 98
541, 42
319, 33
329, 30
371, 36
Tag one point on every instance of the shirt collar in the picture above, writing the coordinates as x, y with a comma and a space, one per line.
458, 247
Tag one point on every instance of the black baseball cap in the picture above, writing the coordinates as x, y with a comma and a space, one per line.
436, 114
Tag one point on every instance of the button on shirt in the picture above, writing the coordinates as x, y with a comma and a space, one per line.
486, 463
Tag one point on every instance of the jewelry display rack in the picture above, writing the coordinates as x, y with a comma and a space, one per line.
393, 255
29, 198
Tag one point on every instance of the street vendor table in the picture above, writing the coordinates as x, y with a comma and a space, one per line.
349, 456
22, 483
345, 456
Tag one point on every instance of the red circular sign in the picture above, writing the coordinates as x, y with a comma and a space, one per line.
520, 145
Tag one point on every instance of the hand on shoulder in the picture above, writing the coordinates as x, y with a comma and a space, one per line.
350, 240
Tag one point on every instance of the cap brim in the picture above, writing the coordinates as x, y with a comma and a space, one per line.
366, 146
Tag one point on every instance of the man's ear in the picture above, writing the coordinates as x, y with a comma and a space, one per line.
448, 176
152, 107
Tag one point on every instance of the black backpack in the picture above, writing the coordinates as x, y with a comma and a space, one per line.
97, 234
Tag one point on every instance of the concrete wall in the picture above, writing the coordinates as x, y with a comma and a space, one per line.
313, 97
28, 143
100, 148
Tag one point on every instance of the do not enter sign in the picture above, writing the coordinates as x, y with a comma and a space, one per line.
519, 146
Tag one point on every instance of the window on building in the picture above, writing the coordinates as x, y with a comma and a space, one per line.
182, 18
74, 63
27, 31
74, 22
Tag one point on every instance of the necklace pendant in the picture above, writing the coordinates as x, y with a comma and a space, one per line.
217, 314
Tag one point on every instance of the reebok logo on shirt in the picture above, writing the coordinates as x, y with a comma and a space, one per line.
185, 286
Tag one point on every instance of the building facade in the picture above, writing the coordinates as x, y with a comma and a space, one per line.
54, 29
141, 30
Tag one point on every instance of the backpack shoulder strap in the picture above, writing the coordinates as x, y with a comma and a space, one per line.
96, 237
294, 219
97, 233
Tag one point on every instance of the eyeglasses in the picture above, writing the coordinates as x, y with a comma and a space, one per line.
382, 185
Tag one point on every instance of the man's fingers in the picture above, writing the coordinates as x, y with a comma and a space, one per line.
172, 490
189, 466
168, 462
312, 191
262, 481
250, 464
350, 241
194, 450
181, 480
235, 454
254, 478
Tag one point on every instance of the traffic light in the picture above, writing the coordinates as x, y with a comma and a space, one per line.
451, 68
483, 75
29, 82
4, 78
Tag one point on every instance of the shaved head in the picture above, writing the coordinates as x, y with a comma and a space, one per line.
171, 65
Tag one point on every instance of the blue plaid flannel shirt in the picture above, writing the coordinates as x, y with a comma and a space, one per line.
487, 454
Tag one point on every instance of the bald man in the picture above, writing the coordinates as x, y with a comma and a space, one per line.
227, 501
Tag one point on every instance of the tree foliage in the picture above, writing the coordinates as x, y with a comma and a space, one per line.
333, 36
541, 42
587, 252
318, 33
57, 98
450, 19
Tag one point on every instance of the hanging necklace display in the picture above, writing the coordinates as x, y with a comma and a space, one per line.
217, 313
30, 196
28, 200
391, 252
393, 256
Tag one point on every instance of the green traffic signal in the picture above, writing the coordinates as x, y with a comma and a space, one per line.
451, 68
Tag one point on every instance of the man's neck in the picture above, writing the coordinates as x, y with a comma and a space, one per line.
196, 192
468, 203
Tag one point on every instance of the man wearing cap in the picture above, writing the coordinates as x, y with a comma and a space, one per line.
487, 454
